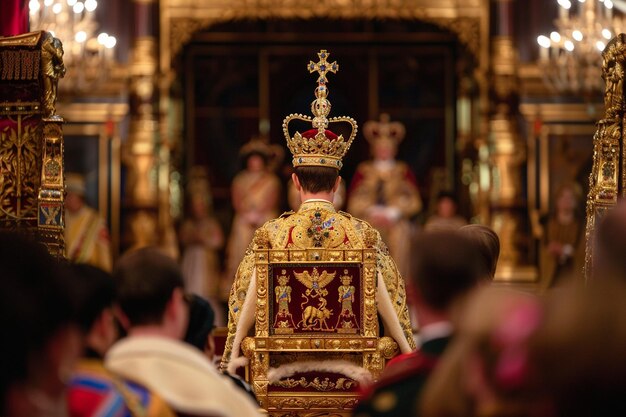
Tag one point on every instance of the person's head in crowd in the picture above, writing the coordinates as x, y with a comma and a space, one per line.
578, 352
150, 293
445, 268
609, 245
201, 325
488, 245
484, 371
95, 297
446, 205
256, 161
41, 338
567, 199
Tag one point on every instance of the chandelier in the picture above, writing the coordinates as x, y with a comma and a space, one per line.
570, 57
88, 56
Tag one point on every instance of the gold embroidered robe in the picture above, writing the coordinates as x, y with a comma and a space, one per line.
87, 238
255, 198
290, 231
393, 189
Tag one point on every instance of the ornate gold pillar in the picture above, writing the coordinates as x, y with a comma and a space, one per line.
607, 181
140, 151
508, 151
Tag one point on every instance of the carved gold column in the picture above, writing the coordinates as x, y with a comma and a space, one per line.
607, 181
139, 152
508, 152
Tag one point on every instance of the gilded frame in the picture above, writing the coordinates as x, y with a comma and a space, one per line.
548, 122
101, 121
367, 345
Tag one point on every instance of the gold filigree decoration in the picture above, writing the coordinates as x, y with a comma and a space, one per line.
19, 168
19, 65
387, 347
316, 402
317, 383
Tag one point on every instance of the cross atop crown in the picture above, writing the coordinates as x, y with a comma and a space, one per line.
323, 66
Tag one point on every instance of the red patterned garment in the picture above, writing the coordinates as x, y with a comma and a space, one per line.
93, 391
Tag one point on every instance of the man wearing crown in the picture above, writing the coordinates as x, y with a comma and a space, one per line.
384, 190
317, 158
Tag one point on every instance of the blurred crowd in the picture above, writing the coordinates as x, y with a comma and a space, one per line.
79, 341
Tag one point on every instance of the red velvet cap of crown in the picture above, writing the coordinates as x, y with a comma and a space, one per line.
310, 134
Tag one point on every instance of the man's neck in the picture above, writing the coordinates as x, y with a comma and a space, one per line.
328, 196
151, 330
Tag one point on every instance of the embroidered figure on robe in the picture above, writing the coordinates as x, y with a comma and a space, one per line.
283, 322
347, 322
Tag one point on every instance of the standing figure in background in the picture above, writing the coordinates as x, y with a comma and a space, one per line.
384, 191
255, 195
86, 235
201, 237
446, 216
563, 250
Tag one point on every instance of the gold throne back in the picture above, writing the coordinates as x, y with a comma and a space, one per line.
316, 332
31, 138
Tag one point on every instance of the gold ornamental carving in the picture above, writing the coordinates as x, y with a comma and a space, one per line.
306, 403
606, 182
318, 384
20, 161
52, 69
467, 21
31, 138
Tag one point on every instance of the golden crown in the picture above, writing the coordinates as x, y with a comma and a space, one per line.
319, 146
260, 144
384, 130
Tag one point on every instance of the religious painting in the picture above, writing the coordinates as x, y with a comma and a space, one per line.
559, 163
82, 155
560, 154
324, 298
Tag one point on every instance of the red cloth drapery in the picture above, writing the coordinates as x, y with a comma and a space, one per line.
13, 17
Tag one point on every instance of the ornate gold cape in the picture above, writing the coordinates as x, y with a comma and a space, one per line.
291, 230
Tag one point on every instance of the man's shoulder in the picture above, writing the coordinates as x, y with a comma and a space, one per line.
361, 225
407, 368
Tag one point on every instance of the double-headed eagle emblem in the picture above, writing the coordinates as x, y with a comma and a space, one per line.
314, 281
314, 317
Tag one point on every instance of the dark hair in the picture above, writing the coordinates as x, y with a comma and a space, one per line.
201, 321
35, 302
487, 244
316, 179
145, 280
444, 266
447, 194
95, 291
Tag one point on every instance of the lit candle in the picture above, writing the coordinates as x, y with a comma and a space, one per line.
544, 45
